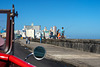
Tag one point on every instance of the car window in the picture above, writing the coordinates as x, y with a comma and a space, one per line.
3, 21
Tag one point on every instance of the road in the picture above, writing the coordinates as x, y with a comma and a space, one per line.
21, 52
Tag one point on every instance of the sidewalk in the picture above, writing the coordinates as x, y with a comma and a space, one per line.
68, 55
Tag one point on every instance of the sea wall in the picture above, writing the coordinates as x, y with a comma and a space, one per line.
79, 44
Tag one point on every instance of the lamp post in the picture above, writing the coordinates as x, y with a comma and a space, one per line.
13, 14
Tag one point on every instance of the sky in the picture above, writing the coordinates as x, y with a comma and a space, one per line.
80, 18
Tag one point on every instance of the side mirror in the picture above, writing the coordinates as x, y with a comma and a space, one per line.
39, 53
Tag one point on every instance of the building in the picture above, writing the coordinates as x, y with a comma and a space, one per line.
31, 30
24, 34
30, 33
2, 31
46, 34
4, 35
38, 34
27, 27
18, 34
54, 30
17, 31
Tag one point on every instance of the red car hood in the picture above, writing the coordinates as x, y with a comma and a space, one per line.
15, 60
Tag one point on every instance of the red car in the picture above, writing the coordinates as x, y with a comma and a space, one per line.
7, 42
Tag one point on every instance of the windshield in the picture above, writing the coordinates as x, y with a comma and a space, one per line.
3, 21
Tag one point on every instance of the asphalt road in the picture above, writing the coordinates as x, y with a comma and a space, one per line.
21, 52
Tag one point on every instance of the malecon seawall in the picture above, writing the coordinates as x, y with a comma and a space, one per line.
88, 45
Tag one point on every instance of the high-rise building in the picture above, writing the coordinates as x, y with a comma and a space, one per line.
54, 30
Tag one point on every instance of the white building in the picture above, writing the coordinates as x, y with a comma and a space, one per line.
24, 34
4, 34
47, 34
20, 32
54, 30
17, 32
30, 33
27, 27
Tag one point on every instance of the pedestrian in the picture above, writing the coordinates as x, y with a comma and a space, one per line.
50, 34
40, 38
62, 32
57, 33
44, 34
59, 36
29, 40
26, 40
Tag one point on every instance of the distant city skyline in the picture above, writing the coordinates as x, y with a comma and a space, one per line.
80, 18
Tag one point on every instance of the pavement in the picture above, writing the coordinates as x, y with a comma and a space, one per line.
67, 55
22, 52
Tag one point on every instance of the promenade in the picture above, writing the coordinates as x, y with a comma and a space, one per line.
68, 55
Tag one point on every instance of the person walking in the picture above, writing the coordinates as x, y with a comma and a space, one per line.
26, 40
57, 33
59, 36
44, 34
41, 38
62, 32
50, 34
29, 40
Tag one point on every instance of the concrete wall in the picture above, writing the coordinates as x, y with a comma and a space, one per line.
79, 44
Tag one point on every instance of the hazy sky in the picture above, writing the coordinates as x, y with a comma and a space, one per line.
80, 18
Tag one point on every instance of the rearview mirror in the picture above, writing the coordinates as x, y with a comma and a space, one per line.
39, 52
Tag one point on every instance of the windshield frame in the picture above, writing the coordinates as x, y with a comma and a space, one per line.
8, 30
